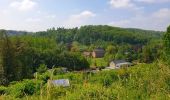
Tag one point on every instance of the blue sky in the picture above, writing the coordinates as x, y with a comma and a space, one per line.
39, 15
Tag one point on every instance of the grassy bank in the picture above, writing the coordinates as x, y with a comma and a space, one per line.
140, 82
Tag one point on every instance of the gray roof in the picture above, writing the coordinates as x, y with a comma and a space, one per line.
99, 49
119, 61
125, 63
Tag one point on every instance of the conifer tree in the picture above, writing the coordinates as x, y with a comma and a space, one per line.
7, 58
167, 44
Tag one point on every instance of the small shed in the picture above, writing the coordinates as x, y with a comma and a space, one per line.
60, 82
98, 53
116, 64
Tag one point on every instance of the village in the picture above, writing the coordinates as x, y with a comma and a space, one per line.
113, 64
96, 53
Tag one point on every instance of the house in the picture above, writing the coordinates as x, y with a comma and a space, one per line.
116, 64
98, 53
87, 54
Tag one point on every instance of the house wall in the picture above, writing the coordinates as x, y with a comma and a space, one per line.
94, 54
124, 65
112, 64
98, 54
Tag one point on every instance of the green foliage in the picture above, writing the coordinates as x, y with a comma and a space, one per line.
23, 88
166, 40
145, 81
105, 78
92, 91
13, 59
7, 58
59, 71
21, 56
97, 62
57, 92
111, 52
3, 90
42, 68
44, 76
168, 29
99, 34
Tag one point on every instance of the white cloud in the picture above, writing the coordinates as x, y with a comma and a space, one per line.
79, 19
33, 20
120, 23
153, 1
163, 13
158, 20
50, 16
45, 18
42, 21
84, 15
23, 5
121, 3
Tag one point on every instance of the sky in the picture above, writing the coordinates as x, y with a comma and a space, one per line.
40, 15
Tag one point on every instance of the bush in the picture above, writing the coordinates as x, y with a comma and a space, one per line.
44, 77
20, 89
3, 90
60, 70
42, 68
106, 78
57, 92
91, 92
141, 82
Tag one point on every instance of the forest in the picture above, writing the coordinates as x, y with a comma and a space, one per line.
26, 59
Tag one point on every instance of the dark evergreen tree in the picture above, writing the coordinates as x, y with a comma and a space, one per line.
7, 59
167, 45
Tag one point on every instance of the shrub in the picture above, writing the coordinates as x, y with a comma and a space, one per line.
3, 90
57, 92
44, 77
42, 68
26, 87
106, 78
60, 70
91, 92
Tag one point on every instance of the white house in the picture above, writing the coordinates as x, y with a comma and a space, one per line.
116, 64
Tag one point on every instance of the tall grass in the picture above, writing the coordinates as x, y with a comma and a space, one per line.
140, 82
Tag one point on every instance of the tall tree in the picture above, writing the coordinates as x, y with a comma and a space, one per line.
167, 44
7, 58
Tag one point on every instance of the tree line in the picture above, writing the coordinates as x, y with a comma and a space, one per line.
22, 55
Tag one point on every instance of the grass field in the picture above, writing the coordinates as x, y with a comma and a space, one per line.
140, 82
